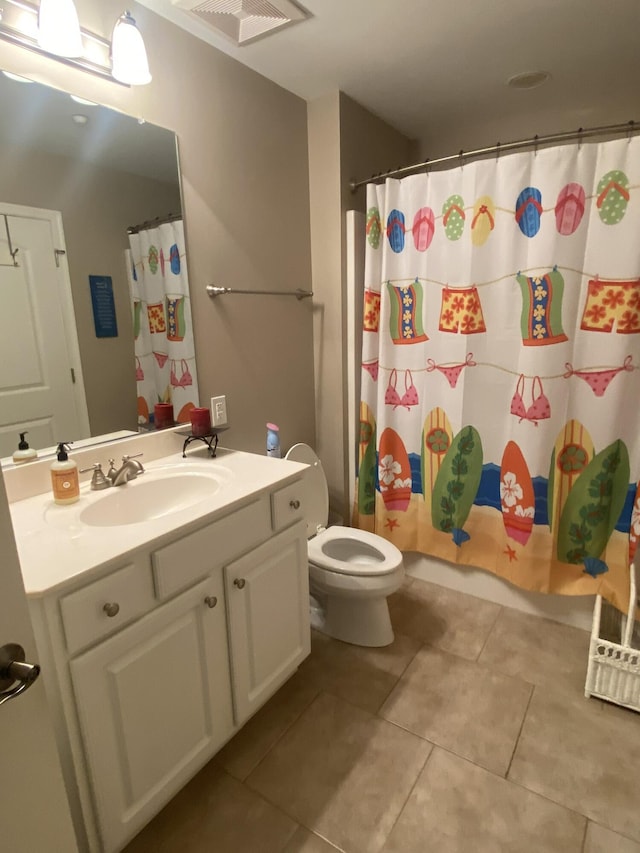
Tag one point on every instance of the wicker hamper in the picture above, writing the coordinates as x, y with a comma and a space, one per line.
613, 671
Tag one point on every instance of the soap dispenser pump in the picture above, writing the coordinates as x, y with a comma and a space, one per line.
24, 453
64, 477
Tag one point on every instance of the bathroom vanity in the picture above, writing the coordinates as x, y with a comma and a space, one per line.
166, 611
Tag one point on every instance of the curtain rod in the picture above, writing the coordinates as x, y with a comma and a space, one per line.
299, 294
629, 127
153, 223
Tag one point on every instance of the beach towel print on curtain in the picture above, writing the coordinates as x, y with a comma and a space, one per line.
163, 330
500, 427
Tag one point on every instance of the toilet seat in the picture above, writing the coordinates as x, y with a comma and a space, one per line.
344, 550
350, 551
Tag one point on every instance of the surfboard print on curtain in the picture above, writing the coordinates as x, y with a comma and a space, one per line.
457, 484
593, 508
516, 494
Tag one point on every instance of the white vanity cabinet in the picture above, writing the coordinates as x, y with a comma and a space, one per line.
155, 658
268, 612
154, 704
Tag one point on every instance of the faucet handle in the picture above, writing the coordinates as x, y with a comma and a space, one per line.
134, 457
111, 473
98, 481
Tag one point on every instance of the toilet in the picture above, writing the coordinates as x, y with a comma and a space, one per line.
351, 572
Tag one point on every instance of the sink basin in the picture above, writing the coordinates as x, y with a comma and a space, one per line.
151, 496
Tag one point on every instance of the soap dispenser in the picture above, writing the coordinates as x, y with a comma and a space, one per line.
24, 453
64, 477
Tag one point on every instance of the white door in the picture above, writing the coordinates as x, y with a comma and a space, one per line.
41, 388
34, 813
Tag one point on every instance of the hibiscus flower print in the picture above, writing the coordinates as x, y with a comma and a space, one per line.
635, 518
387, 469
510, 490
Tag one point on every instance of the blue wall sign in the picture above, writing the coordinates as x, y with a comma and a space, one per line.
104, 308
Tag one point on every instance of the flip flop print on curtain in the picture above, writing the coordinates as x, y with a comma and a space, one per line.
569, 209
599, 379
484, 220
373, 228
529, 211
539, 409
452, 371
405, 314
396, 230
410, 396
423, 228
612, 303
613, 197
541, 317
453, 217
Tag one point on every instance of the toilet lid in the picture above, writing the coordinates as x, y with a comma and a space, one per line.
315, 493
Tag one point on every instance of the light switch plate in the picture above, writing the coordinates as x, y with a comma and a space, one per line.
219, 411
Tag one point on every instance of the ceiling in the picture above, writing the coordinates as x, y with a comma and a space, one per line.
437, 69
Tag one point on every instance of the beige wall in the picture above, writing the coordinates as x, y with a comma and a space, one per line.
345, 141
97, 206
243, 154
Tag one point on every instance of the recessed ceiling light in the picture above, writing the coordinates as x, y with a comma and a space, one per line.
79, 118
16, 77
528, 79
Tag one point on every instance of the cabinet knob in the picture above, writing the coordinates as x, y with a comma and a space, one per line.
239, 582
294, 504
111, 608
211, 601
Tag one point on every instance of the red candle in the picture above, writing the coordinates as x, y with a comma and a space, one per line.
163, 415
200, 420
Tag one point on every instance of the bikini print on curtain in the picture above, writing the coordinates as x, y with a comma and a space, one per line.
164, 346
501, 346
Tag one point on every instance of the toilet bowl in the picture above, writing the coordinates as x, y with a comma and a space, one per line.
351, 572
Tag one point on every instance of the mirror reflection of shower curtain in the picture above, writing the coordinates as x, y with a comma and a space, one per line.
163, 330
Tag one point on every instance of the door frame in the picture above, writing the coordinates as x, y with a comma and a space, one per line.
54, 217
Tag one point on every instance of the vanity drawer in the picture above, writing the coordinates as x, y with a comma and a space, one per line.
186, 561
125, 594
286, 505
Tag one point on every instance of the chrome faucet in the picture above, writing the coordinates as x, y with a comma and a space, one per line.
129, 470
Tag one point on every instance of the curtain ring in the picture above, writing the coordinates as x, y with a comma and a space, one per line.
580, 129
497, 151
630, 133
460, 156
535, 145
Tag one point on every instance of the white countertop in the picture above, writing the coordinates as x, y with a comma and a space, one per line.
55, 547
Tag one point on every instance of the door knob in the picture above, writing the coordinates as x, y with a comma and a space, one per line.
211, 600
294, 504
14, 669
111, 608
239, 582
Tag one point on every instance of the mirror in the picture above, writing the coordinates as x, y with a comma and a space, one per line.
103, 172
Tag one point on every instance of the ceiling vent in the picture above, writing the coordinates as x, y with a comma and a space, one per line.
243, 21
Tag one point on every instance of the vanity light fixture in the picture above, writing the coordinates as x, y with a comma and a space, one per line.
128, 53
59, 28
41, 29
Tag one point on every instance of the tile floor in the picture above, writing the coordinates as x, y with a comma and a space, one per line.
470, 733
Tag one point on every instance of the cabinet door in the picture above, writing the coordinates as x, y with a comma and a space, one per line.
154, 704
268, 614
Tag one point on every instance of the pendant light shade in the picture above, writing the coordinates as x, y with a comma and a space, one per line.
128, 54
59, 28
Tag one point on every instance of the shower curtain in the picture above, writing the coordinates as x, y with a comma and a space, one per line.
499, 416
164, 346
